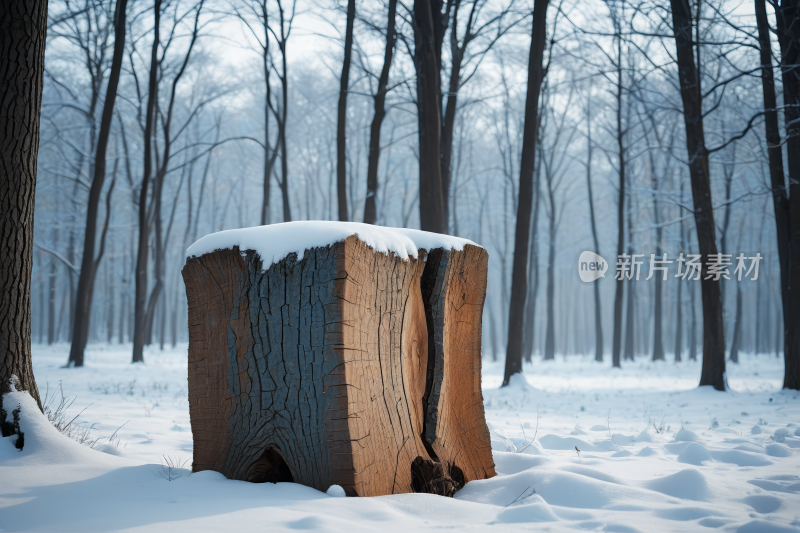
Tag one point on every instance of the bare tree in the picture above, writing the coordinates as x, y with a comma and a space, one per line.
254, 14
713, 372
430, 24
89, 263
598, 316
23, 35
519, 275
373, 157
489, 29
616, 19
281, 35
140, 298
341, 124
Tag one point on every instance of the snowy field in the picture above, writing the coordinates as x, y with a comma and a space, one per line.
657, 454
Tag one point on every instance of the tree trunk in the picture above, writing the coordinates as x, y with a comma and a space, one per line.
616, 347
693, 328
341, 124
89, 264
598, 316
42, 306
449, 118
144, 232
658, 341
280, 390
533, 269
679, 305
23, 34
780, 201
109, 301
788, 18
287, 209
51, 300
679, 325
713, 372
269, 160
737, 327
373, 158
629, 321
427, 64
519, 272
550, 333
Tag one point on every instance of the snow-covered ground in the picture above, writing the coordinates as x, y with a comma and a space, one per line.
657, 454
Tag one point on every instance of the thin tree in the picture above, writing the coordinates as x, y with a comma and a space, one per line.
281, 114
713, 372
23, 34
598, 315
616, 347
373, 157
736, 338
519, 273
140, 298
533, 268
474, 28
341, 117
89, 263
255, 16
678, 298
429, 27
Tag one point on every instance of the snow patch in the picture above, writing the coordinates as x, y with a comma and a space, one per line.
777, 450
694, 454
686, 435
689, 484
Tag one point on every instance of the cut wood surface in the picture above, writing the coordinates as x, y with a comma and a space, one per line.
322, 371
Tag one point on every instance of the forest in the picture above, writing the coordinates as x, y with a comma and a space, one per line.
162, 122
359, 265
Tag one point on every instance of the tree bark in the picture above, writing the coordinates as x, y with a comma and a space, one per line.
341, 123
89, 264
281, 390
140, 298
788, 18
713, 372
519, 272
373, 158
427, 63
23, 34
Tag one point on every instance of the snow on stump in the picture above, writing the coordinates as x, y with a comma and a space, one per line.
328, 358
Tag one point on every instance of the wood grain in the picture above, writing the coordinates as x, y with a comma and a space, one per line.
316, 371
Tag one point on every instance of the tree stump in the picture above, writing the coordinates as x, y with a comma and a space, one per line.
348, 367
